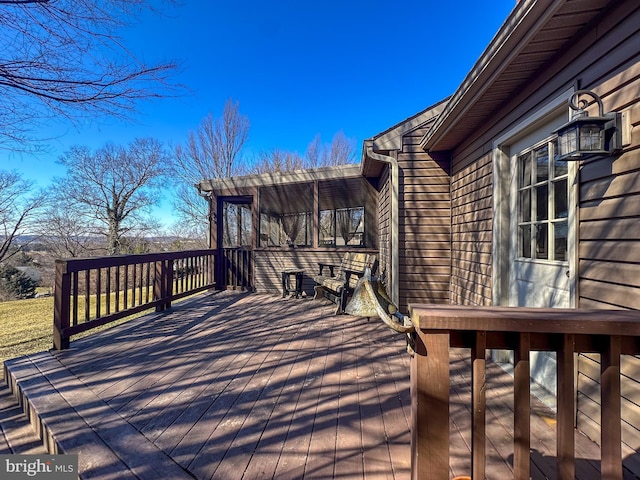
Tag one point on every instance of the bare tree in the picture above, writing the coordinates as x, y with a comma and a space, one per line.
278, 161
114, 186
213, 150
65, 58
341, 151
20, 206
66, 233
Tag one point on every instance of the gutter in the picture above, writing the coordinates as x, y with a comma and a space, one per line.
395, 237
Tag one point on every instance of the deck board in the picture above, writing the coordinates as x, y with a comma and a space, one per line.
255, 387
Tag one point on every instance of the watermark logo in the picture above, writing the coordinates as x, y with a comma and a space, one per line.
51, 467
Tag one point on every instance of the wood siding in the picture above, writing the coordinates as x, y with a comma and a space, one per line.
609, 225
606, 60
472, 205
270, 262
424, 224
384, 224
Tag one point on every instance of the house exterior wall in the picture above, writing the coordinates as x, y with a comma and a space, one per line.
609, 228
424, 224
270, 262
472, 217
606, 60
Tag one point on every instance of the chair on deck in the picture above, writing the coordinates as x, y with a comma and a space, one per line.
342, 279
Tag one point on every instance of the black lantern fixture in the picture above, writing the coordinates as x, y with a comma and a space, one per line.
584, 135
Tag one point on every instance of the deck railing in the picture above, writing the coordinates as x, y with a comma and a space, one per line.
523, 330
236, 268
91, 292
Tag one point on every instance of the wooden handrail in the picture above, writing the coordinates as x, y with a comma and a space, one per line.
119, 286
565, 331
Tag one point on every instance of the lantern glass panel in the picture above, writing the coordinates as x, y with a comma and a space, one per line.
591, 137
568, 141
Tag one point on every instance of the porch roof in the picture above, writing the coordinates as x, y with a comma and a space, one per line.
289, 192
279, 178
535, 32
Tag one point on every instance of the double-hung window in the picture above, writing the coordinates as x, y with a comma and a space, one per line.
542, 203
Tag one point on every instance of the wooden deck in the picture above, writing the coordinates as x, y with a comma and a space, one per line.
253, 386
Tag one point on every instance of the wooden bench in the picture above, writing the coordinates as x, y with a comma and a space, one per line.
342, 279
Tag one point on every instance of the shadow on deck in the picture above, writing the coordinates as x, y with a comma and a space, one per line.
250, 386
243, 386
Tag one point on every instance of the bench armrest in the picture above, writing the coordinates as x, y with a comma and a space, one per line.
348, 273
330, 265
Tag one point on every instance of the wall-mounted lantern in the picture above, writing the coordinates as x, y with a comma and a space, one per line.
584, 135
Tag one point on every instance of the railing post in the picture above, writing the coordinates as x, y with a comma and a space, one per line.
430, 385
220, 269
611, 410
163, 284
61, 310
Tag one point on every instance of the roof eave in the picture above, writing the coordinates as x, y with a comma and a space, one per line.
277, 178
525, 20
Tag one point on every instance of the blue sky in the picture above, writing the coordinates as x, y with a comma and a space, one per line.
297, 68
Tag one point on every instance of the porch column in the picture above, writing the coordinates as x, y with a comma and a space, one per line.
315, 223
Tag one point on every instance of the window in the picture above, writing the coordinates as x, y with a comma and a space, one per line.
342, 226
287, 229
542, 203
236, 225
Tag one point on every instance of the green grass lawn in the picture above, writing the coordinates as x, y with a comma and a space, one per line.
26, 326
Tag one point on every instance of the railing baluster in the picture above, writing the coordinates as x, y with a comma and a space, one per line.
140, 282
565, 406
245, 273
133, 285
98, 290
75, 298
87, 295
118, 287
611, 410
108, 291
522, 409
479, 401
125, 288
148, 281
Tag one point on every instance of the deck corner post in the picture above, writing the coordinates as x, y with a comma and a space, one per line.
61, 310
430, 385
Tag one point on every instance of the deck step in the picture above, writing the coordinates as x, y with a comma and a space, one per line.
110, 448
16, 435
